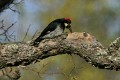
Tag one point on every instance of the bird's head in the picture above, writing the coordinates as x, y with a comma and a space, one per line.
66, 22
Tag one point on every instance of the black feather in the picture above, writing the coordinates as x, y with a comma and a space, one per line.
51, 27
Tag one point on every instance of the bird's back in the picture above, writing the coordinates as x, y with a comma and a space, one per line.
55, 28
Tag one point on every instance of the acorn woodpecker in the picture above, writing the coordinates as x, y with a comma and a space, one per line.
55, 28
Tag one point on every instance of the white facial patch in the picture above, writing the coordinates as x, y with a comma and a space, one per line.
66, 24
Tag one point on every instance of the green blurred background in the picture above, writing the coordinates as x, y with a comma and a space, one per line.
100, 18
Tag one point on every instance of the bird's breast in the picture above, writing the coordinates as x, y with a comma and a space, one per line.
58, 31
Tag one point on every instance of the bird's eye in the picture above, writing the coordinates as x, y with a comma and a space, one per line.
66, 24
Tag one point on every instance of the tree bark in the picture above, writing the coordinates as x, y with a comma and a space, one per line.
81, 44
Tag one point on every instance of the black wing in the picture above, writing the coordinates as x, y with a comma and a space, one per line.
47, 30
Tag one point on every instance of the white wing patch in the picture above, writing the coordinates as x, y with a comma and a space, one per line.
48, 32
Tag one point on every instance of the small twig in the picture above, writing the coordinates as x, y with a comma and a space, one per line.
15, 3
13, 10
5, 31
26, 32
34, 35
12, 36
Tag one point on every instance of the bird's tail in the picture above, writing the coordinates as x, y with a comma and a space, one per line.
36, 41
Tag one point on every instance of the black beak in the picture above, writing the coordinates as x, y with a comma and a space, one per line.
70, 29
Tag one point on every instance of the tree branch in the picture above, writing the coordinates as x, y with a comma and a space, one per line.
5, 4
82, 44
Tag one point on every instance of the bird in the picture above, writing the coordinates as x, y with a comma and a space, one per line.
54, 28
